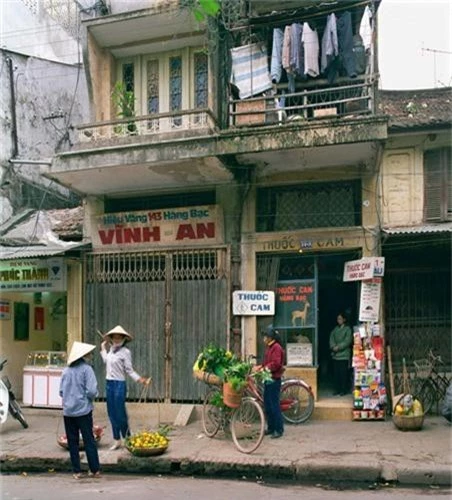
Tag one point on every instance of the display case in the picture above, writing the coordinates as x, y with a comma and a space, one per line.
42, 375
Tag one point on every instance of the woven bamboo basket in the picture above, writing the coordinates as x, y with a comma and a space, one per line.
146, 452
408, 422
208, 378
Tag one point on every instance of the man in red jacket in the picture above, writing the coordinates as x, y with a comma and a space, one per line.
274, 358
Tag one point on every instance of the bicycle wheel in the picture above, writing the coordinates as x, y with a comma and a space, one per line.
248, 425
296, 401
211, 413
16, 412
424, 391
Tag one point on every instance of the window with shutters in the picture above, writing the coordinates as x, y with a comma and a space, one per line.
438, 185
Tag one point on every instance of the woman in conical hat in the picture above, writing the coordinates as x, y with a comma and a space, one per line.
78, 388
118, 360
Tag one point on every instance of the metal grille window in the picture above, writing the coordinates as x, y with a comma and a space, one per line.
153, 86
175, 86
309, 206
201, 81
135, 267
438, 185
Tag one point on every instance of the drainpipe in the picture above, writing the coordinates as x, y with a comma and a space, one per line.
15, 147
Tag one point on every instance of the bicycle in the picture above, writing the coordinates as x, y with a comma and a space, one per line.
296, 399
246, 423
429, 386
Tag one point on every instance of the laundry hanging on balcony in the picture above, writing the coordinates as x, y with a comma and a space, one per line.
250, 69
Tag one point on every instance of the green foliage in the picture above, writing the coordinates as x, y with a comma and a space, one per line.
213, 359
202, 9
237, 375
263, 375
123, 100
217, 400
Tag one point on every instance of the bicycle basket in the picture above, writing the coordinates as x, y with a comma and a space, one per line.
423, 368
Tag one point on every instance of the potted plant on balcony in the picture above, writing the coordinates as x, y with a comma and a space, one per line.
124, 103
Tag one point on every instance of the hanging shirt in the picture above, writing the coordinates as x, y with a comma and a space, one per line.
330, 47
119, 364
78, 388
276, 60
310, 40
365, 28
286, 49
296, 49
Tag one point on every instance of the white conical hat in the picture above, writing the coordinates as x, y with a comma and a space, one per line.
78, 350
119, 330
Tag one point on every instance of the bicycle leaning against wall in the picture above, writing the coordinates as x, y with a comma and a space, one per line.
429, 385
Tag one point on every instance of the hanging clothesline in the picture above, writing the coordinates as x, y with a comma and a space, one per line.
297, 14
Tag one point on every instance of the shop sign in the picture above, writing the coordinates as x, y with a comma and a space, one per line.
37, 275
369, 305
299, 354
364, 269
249, 303
198, 225
5, 309
295, 304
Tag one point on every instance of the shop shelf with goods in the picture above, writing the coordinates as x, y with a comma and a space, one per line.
369, 394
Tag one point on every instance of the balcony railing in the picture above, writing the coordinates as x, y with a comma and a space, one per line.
340, 100
148, 125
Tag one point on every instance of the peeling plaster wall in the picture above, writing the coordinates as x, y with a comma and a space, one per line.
42, 88
402, 180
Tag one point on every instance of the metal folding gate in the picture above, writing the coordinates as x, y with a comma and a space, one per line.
174, 302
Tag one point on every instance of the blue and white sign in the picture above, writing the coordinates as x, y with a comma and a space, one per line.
253, 303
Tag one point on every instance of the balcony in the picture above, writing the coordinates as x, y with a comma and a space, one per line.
346, 99
149, 128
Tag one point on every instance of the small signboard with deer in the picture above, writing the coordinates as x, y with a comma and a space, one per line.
295, 304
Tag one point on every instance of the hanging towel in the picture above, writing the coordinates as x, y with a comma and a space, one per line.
365, 28
310, 40
286, 49
276, 62
250, 70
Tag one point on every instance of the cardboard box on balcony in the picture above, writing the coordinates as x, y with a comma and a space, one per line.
325, 112
252, 118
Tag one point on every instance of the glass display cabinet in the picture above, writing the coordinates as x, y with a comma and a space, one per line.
42, 375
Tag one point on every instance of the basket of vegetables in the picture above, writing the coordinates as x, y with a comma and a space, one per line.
98, 432
211, 364
147, 443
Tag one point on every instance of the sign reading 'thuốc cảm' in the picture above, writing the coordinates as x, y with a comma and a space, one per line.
173, 226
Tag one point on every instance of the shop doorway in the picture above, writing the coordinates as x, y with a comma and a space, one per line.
332, 296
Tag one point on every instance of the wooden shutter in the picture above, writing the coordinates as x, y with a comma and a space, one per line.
437, 182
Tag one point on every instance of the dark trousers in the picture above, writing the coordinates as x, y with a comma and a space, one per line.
116, 408
271, 406
83, 425
341, 374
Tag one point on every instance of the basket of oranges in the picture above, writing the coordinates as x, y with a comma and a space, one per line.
147, 443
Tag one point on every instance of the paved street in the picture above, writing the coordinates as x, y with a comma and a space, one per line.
315, 452
118, 487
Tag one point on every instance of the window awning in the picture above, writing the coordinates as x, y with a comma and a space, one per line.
424, 229
34, 251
